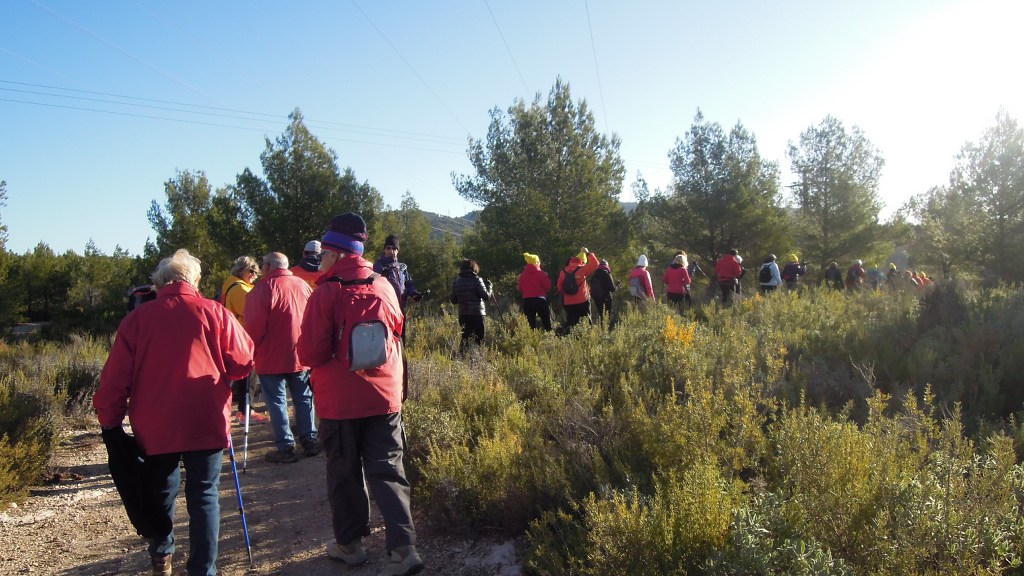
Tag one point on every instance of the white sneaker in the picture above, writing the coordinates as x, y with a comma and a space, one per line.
403, 561
352, 553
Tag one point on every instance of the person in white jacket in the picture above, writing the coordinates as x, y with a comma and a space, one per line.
768, 275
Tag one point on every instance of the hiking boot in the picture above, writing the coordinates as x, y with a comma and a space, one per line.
310, 447
403, 561
161, 564
352, 553
287, 456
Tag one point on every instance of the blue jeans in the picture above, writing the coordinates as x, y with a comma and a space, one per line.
274, 397
202, 480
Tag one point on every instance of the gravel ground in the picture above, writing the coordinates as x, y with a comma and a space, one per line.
74, 523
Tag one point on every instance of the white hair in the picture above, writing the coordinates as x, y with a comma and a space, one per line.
179, 267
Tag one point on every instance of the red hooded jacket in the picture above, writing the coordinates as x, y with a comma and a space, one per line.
340, 393
533, 282
676, 278
728, 268
174, 359
645, 279
583, 294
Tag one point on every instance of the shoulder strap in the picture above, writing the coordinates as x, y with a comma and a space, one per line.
224, 297
356, 282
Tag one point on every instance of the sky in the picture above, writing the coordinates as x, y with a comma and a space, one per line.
101, 103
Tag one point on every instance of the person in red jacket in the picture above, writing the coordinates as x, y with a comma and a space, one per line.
361, 428
535, 285
170, 371
577, 305
728, 271
677, 281
640, 285
273, 315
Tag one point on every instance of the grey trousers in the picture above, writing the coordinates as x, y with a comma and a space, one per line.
367, 452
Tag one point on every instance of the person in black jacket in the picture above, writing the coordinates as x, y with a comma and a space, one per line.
601, 288
471, 293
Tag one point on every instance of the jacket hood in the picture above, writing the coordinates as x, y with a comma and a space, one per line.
344, 267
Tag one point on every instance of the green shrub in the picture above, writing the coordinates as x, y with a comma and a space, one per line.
764, 541
669, 532
43, 386
905, 494
28, 433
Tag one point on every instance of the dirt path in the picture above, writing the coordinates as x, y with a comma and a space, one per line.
75, 524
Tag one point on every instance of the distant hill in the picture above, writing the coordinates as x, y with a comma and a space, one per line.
458, 225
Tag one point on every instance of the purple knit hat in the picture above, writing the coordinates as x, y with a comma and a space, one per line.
346, 233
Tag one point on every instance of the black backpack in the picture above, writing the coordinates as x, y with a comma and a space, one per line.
569, 284
765, 275
139, 295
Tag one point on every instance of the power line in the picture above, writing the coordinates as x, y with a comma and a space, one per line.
445, 231
138, 59
507, 49
193, 39
411, 69
38, 65
129, 114
215, 125
230, 113
597, 69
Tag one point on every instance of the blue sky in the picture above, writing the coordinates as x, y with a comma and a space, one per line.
101, 102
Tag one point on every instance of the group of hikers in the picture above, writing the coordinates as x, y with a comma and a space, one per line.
327, 330
330, 332
586, 281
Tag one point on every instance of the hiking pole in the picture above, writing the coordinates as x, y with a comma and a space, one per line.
245, 431
238, 492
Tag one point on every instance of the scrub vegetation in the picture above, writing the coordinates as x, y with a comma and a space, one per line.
810, 432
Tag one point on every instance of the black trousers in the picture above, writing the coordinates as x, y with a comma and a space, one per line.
576, 312
238, 388
537, 309
603, 305
472, 325
728, 290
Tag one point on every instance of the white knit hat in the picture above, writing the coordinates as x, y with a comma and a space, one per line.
312, 246
642, 260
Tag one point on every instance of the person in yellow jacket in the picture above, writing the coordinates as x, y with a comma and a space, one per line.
577, 304
236, 287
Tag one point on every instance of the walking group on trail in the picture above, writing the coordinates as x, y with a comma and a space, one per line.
330, 333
